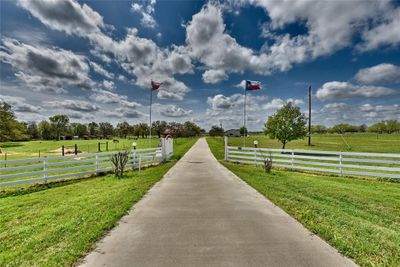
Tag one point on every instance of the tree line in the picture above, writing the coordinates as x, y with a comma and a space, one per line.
386, 126
59, 125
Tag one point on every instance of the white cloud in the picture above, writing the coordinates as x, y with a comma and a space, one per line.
19, 104
65, 15
138, 56
386, 33
46, 69
99, 69
345, 90
214, 76
107, 97
108, 85
382, 73
172, 111
146, 10
277, 103
76, 105
339, 112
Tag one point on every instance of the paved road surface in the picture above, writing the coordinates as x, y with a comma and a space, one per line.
200, 214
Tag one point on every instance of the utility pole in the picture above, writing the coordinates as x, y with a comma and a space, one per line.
309, 115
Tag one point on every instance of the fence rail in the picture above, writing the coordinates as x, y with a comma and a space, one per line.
342, 163
35, 170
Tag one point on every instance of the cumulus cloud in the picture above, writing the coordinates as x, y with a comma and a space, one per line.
107, 97
382, 73
221, 102
277, 103
138, 56
46, 69
146, 10
123, 113
214, 76
77, 105
99, 69
173, 111
345, 90
339, 112
65, 15
108, 85
386, 33
19, 104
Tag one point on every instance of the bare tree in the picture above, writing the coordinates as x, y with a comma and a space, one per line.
119, 161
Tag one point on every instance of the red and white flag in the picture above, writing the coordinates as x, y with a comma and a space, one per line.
155, 85
252, 85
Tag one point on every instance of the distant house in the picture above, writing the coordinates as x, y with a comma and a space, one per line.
233, 133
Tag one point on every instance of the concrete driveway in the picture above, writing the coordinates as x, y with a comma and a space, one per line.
201, 214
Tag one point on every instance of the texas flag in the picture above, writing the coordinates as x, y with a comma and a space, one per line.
155, 85
252, 85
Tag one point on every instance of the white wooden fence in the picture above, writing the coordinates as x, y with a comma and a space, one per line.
35, 170
343, 163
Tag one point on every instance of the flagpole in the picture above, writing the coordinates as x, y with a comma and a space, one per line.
244, 118
151, 101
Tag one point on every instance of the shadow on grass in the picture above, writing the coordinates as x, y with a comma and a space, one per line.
45, 186
10, 144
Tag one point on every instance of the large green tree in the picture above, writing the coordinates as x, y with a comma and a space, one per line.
59, 125
45, 132
287, 124
216, 131
10, 128
158, 127
33, 131
123, 129
93, 129
106, 129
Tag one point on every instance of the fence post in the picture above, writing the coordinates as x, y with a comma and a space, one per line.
163, 150
292, 159
5, 160
97, 164
62, 150
226, 148
134, 158
255, 152
45, 170
140, 164
76, 149
340, 164
107, 146
98, 147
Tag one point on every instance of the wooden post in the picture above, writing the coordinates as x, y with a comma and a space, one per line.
292, 161
76, 149
309, 116
97, 164
107, 146
98, 147
62, 150
45, 170
226, 148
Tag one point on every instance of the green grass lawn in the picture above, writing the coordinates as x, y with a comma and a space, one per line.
56, 225
361, 218
355, 142
29, 149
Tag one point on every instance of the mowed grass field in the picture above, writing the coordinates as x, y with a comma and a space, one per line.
354, 142
56, 224
360, 217
31, 149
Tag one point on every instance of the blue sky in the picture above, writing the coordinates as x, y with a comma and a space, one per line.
93, 60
